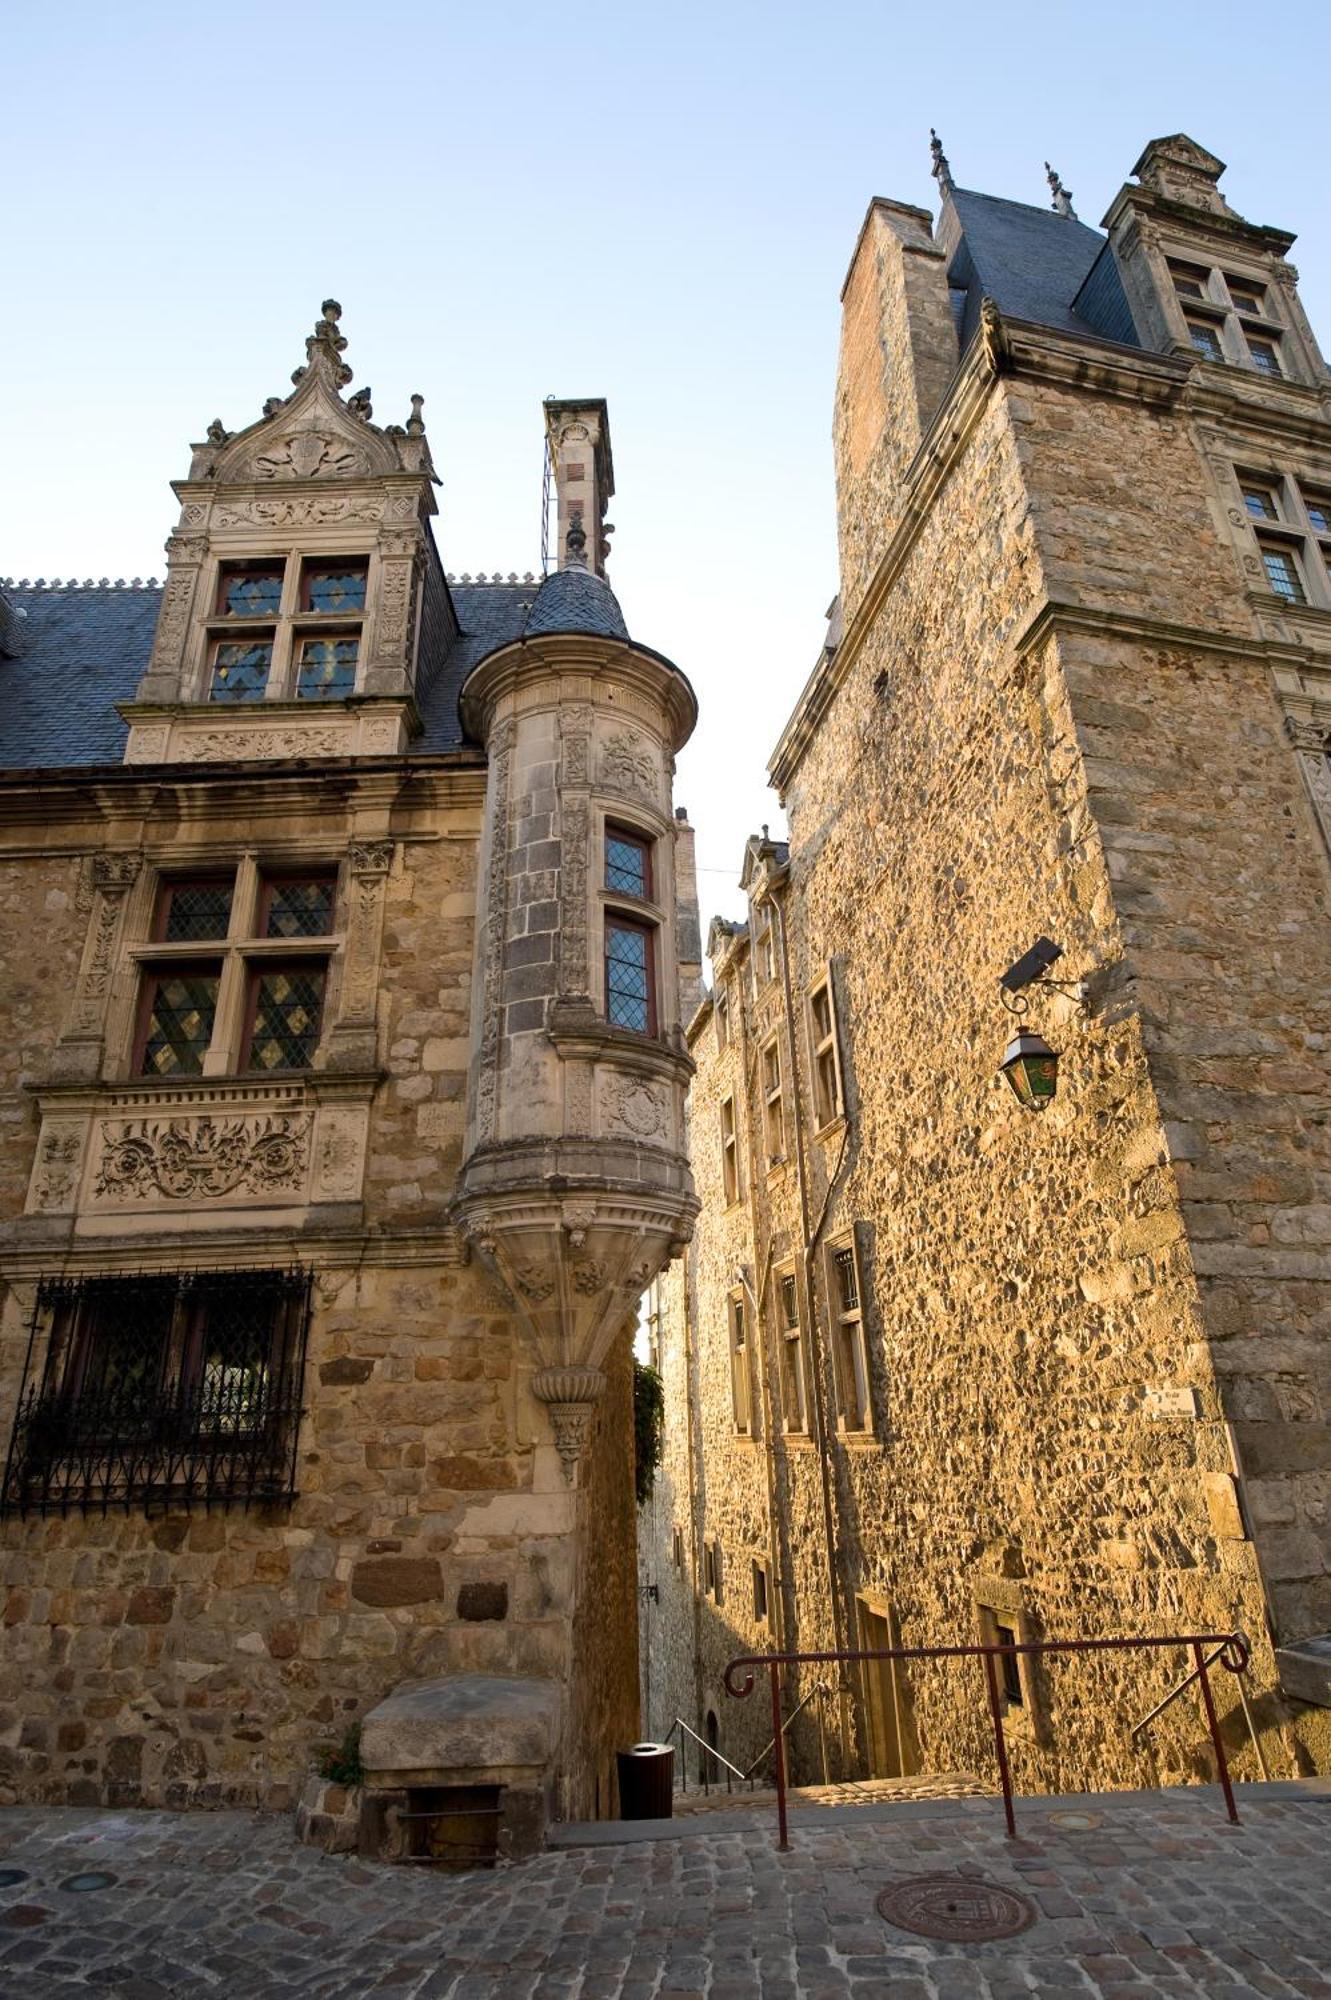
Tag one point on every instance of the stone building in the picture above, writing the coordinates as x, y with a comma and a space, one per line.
942, 1365
343, 1080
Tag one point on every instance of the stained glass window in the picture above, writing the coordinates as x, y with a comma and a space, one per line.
295, 908
627, 863
240, 670
181, 1005
191, 910
287, 1003
339, 588
628, 988
250, 593
327, 669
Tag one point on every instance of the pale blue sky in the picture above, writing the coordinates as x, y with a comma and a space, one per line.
654, 205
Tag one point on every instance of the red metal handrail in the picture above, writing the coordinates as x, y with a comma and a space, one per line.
1234, 1657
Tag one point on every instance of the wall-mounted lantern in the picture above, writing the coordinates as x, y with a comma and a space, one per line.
1029, 1064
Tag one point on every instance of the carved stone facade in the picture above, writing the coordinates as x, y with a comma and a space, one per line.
312, 1388
938, 1364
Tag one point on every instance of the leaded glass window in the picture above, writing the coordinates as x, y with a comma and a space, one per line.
628, 975
1319, 513
240, 669
1260, 501
298, 907
1265, 356
286, 1003
627, 863
1206, 340
327, 669
180, 1006
336, 587
189, 911
249, 593
1282, 573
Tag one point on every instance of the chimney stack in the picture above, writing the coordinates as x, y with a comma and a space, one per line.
577, 432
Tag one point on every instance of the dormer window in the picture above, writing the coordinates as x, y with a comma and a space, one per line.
301, 636
1229, 317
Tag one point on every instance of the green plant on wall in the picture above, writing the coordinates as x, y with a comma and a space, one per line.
648, 1428
343, 1766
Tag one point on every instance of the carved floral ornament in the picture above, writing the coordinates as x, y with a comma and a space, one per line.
202, 1159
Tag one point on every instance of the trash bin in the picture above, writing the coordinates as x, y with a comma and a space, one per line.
647, 1781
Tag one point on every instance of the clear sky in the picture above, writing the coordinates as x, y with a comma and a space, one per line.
654, 204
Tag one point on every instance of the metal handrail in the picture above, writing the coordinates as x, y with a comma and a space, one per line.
1181, 1688
818, 1688
680, 1724
1232, 1653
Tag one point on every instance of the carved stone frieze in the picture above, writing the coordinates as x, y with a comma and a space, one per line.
300, 511
112, 877
370, 857
368, 863
634, 1105
197, 1159
173, 620
628, 764
339, 1155
216, 746
309, 454
55, 1177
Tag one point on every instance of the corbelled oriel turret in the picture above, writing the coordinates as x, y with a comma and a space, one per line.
575, 1186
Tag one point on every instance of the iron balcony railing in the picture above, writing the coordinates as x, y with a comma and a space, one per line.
1232, 1652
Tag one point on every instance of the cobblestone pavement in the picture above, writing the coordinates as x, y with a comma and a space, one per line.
1134, 1895
859, 1792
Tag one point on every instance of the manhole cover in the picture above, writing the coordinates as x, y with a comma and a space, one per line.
9, 1876
1075, 1822
956, 1908
92, 1879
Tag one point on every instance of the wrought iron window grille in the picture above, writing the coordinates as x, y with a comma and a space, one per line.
160, 1391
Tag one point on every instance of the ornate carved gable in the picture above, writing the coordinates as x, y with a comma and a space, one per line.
1180, 169
313, 434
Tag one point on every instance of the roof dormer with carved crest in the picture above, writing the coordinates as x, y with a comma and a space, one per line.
300, 579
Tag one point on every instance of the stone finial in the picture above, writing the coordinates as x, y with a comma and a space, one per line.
941, 171
361, 405
325, 347
273, 405
575, 544
217, 433
416, 422
1062, 202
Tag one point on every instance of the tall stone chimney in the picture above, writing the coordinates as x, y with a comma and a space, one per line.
577, 432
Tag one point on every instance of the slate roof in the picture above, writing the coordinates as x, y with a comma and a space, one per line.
576, 600
84, 648
1031, 261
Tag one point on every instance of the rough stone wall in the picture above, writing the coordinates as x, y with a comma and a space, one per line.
603, 1705
204, 1656
1048, 1435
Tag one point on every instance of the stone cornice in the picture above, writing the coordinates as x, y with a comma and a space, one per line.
204, 1095
245, 791
243, 1248
1193, 221
548, 655
582, 1036
1056, 616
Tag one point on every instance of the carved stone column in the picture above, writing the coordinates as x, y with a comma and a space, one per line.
353, 1039
79, 1053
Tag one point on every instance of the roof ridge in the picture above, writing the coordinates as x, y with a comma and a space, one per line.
73, 583
498, 577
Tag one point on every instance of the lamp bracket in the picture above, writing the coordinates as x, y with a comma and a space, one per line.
1032, 969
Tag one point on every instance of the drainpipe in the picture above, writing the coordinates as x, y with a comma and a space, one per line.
695, 1508
810, 1321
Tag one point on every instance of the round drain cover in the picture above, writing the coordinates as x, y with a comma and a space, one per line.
958, 1908
93, 1879
9, 1876
1075, 1822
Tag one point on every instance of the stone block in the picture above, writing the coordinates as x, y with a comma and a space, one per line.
480, 1601
472, 1722
395, 1580
151, 1605
346, 1370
